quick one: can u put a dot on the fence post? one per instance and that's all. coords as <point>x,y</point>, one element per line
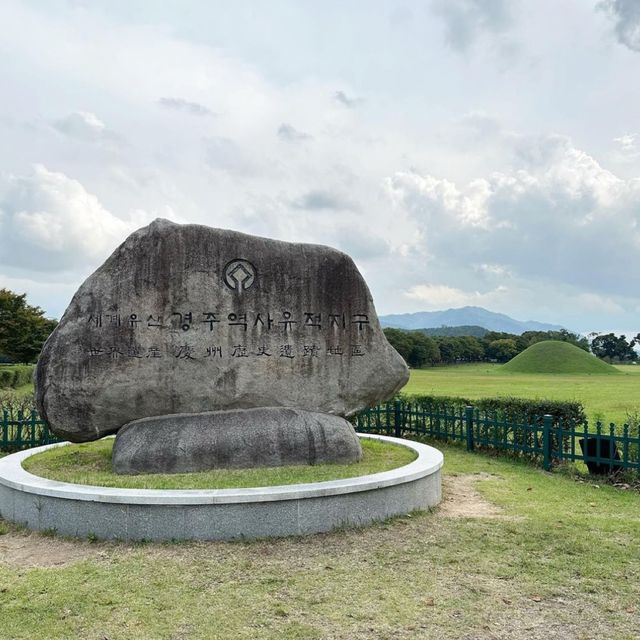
<point>397,419</point>
<point>547,423</point>
<point>5,430</point>
<point>468,419</point>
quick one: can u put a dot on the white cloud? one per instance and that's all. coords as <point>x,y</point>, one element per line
<point>594,302</point>
<point>561,218</point>
<point>346,100</point>
<point>323,199</point>
<point>439,202</point>
<point>493,270</point>
<point>628,149</point>
<point>81,124</point>
<point>289,133</point>
<point>224,154</point>
<point>434,296</point>
<point>86,127</point>
<point>626,14</point>
<point>50,222</point>
<point>627,142</point>
<point>466,20</point>
<point>187,106</point>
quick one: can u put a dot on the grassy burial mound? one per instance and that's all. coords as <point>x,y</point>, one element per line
<point>554,356</point>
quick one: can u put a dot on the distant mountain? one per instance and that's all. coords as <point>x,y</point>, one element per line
<point>453,332</point>
<point>476,316</point>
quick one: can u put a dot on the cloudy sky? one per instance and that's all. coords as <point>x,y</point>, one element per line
<point>464,152</point>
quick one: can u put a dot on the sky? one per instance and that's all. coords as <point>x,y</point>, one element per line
<point>463,152</point>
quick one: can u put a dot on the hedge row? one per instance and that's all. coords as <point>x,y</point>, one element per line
<point>507,408</point>
<point>15,376</point>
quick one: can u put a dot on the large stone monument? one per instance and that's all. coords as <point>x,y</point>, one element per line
<point>206,348</point>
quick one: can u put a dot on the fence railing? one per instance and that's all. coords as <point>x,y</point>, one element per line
<point>23,430</point>
<point>545,440</point>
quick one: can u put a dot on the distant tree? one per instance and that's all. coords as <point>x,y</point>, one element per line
<point>521,342</point>
<point>425,351</point>
<point>611,347</point>
<point>461,330</point>
<point>23,328</point>
<point>450,349</point>
<point>503,349</point>
<point>400,340</point>
<point>471,348</point>
<point>415,347</point>
<point>565,336</point>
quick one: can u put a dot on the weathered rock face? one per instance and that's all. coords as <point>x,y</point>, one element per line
<point>187,319</point>
<point>269,437</point>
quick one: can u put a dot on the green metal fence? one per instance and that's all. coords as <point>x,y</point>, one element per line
<point>545,440</point>
<point>23,430</point>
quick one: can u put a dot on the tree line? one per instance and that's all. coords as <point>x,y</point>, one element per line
<point>23,328</point>
<point>421,350</point>
<point>613,348</point>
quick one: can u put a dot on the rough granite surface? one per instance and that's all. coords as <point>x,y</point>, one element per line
<point>268,437</point>
<point>189,319</point>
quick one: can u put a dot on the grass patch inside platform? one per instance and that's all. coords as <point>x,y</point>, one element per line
<point>90,464</point>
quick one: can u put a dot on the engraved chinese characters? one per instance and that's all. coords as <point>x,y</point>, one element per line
<point>187,319</point>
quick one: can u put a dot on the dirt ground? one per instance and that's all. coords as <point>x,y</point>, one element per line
<point>27,550</point>
<point>462,500</point>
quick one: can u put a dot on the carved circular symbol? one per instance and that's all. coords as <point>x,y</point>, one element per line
<point>239,275</point>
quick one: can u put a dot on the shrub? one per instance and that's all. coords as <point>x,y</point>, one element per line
<point>11,403</point>
<point>15,376</point>
<point>510,409</point>
<point>514,414</point>
<point>6,377</point>
<point>632,422</point>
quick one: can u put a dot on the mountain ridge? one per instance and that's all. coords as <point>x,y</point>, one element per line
<point>477,316</point>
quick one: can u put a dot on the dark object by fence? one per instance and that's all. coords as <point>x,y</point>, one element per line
<point>596,449</point>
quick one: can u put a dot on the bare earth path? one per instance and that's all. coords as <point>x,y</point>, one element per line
<point>462,500</point>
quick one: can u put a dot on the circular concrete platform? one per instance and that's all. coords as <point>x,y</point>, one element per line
<point>217,514</point>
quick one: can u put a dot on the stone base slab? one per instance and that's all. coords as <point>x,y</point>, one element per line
<point>242,438</point>
<point>221,514</point>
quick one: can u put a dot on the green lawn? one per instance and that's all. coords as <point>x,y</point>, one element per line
<point>561,560</point>
<point>90,463</point>
<point>606,397</point>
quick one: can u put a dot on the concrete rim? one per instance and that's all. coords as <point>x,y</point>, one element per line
<point>12,475</point>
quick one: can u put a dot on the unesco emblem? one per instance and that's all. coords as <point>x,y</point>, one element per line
<point>239,275</point>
